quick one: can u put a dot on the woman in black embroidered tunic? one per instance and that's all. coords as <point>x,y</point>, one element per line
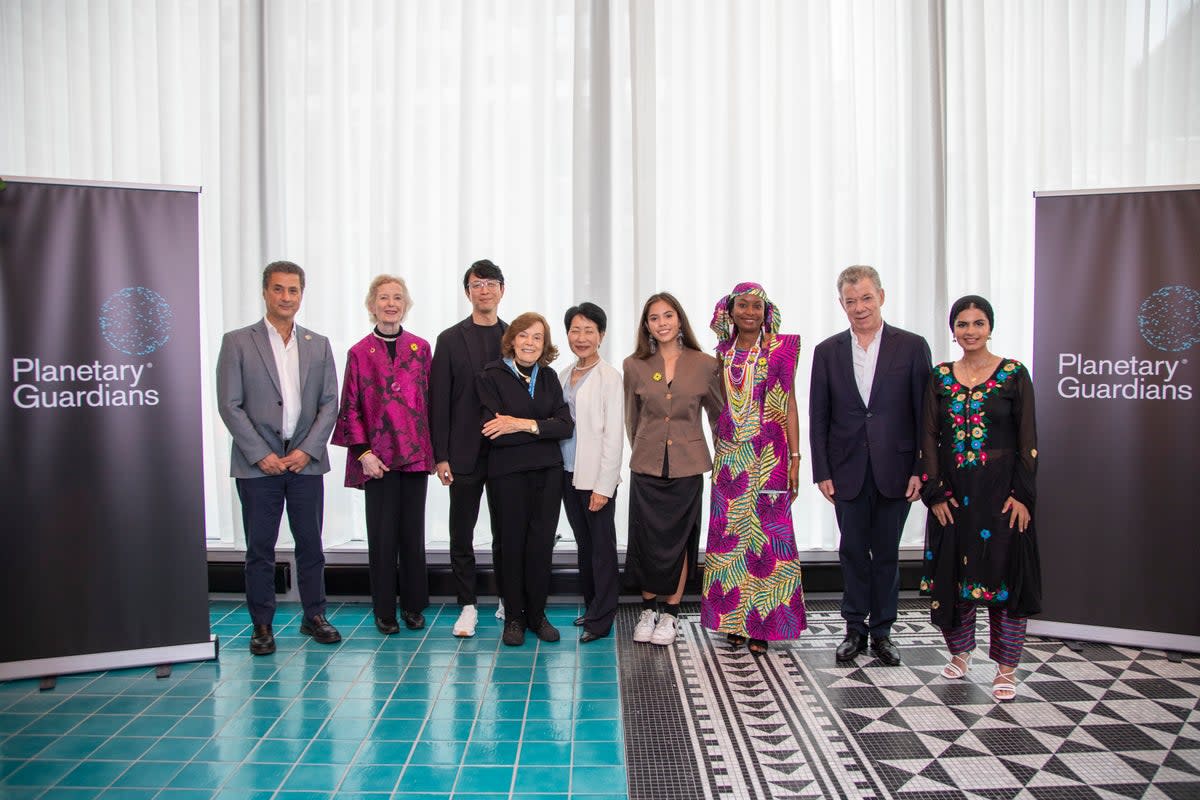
<point>979,456</point>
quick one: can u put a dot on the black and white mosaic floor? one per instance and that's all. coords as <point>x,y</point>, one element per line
<point>705,721</point>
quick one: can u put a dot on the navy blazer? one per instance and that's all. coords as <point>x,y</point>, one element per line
<point>842,431</point>
<point>453,398</point>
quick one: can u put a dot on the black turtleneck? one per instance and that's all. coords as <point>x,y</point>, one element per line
<point>389,340</point>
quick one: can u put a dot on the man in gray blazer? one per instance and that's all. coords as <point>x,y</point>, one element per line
<point>277,394</point>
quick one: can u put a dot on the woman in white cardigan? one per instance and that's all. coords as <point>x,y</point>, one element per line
<point>592,460</point>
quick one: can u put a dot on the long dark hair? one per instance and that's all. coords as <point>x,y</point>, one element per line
<point>642,335</point>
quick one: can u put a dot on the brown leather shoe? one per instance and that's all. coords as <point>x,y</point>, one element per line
<point>262,642</point>
<point>544,630</point>
<point>320,630</point>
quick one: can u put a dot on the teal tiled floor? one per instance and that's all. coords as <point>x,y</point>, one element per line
<point>418,715</point>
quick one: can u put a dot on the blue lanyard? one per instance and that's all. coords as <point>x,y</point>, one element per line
<point>532,378</point>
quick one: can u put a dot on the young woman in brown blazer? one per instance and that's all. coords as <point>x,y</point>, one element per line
<point>668,382</point>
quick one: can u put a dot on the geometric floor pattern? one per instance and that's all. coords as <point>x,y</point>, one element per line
<point>1106,722</point>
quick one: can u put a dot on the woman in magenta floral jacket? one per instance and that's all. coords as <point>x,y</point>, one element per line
<point>384,422</point>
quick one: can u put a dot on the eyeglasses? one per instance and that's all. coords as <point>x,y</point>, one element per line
<point>487,284</point>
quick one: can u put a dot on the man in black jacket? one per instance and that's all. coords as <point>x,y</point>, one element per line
<point>459,447</point>
<point>868,385</point>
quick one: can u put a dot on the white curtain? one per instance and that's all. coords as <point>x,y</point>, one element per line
<point>1056,96</point>
<point>604,150</point>
<point>793,140</point>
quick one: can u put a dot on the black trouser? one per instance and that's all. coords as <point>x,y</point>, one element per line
<point>465,493</point>
<point>871,525</point>
<point>396,541</point>
<point>596,543</point>
<point>527,504</point>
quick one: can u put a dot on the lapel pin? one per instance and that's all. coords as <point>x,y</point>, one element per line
<point>308,337</point>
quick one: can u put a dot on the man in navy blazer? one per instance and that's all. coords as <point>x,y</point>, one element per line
<point>277,394</point>
<point>458,445</point>
<point>868,384</point>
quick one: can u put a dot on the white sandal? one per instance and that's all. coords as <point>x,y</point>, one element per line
<point>1004,686</point>
<point>958,666</point>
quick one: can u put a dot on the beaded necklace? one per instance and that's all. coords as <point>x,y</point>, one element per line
<point>739,384</point>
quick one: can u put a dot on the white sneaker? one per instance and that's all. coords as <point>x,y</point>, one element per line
<point>645,626</point>
<point>664,631</point>
<point>465,626</point>
<point>500,610</point>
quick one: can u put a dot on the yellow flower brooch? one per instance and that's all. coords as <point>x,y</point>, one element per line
<point>656,377</point>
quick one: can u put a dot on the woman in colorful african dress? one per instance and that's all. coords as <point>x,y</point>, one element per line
<point>752,589</point>
<point>979,458</point>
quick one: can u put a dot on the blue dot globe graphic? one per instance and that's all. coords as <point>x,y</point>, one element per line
<point>1169,318</point>
<point>136,321</point>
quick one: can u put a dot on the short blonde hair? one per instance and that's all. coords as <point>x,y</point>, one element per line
<point>381,280</point>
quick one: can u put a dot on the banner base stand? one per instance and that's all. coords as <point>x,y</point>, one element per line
<point>1156,640</point>
<point>47,668</point>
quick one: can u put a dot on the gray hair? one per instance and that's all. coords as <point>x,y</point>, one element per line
<point>381,280</point>
<point>857,273</point>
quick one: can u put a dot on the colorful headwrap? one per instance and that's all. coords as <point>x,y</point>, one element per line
<point>722,322</point>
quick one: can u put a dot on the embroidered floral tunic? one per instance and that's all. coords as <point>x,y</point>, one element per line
<point>979,446</point>
<point>752,583</point>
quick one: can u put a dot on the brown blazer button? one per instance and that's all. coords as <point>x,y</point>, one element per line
<point>669,441</point>
<point>666,419</point>
<point>668,395</point>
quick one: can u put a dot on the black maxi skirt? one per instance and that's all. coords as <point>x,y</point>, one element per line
<point>664,530</point>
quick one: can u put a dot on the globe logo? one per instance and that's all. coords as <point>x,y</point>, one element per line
<point>136,321</point>
<point>1169,319</point>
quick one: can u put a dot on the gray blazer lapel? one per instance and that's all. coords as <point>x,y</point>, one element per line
<point>304,345</point>
<point>262,341</point>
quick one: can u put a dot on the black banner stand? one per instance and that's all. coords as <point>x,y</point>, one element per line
<point>102,484</point>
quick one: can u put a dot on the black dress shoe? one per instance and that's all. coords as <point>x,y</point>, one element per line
<point>320,630</point>
<point>851,646</point>
<point>886,651</point>
<point>387,626</point>
<point>514,632</point>
<point>579,620</point>
<point>262,642</point>
<point>544,630</point>
<point>588,636</point>
<point>413,620</point>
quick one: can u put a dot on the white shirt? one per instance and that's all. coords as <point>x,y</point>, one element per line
<point>287,363</point>
<point>865,359</point>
